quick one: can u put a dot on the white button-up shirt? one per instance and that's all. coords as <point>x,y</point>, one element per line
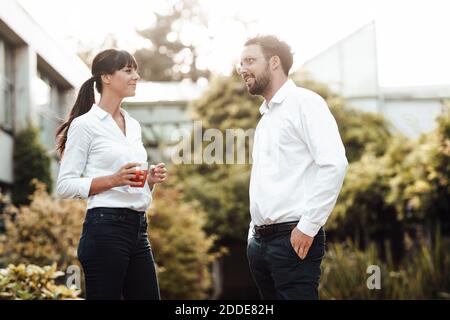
<point>96,147</point>
<point>299,161</point>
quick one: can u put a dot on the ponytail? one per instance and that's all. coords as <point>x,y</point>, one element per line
<point>83,104</point>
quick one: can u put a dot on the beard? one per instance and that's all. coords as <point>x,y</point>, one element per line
<point>261,83</point>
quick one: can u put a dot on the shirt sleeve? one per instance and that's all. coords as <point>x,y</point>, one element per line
<point>319,131</point>
<point>70,184</point>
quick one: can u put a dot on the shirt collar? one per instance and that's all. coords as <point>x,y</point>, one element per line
<point>102,114</point>
<point>279,96</point>
<point>99,112</point>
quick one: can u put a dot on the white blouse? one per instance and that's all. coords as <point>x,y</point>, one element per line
<point>96,147</point>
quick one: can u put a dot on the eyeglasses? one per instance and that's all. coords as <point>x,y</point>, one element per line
<point>246,63</point>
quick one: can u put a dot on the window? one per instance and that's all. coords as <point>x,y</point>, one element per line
<point>6,86</point>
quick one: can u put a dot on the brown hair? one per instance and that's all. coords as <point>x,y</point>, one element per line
<point>272,46</point>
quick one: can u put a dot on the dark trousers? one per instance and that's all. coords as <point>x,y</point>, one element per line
<point>278,271</point>
<point>116,256</point>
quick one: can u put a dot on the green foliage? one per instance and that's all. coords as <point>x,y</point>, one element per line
<point>227,104</point>
<point>33,283</point>
<point>48,231</point>
<point>181,248</point>
<point>30,161</point>
<point>344,272</point>
<point>222,190</point>
<point>224,194</point>
<point>44,232</point>
<point>362,210</point>
<point>383,196</point>
<point>421,188</point>
<point>423,274</point>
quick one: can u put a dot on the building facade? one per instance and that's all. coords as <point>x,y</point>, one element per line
<point>38,82</point>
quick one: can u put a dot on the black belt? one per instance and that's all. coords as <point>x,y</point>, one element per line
<point>268,229</point>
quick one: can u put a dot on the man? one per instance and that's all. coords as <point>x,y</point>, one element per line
<point>298,169</point>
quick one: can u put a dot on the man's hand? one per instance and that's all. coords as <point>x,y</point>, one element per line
<point>301,242</point>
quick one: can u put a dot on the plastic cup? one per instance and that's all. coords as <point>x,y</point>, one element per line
<point>141,175</point>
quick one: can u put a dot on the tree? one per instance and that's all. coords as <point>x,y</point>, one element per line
<point>30,161</point>
<point>404,192</point>
<point>172,57</point>
<point>421,189</point>
<point>362,211</point>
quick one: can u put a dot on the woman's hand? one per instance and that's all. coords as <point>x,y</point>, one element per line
<point>157,174</point>
<point>125,174</point>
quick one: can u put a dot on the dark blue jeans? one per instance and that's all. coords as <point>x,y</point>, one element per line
<point>278,271</point>
<point>116,256</point>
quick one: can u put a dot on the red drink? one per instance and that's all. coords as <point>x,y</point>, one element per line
<point>141,176</point>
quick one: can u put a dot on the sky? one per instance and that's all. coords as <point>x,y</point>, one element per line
<point>413,44</point>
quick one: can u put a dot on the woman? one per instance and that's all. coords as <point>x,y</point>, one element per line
<point>101,148</point>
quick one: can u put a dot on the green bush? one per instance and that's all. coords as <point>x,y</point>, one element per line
<point>44,232</point>
<point>344,272</point>
<point>33,283</point>
<point>423,274</point>
<point>48,231</point>
<point>180,246</point>
<point>31,161</point>
<point>421,188</point>
<point>223,193</point>
<point>405,190</point>
<point>362,211</point>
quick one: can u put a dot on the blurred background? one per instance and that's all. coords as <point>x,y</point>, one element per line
<point>382,67</point>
